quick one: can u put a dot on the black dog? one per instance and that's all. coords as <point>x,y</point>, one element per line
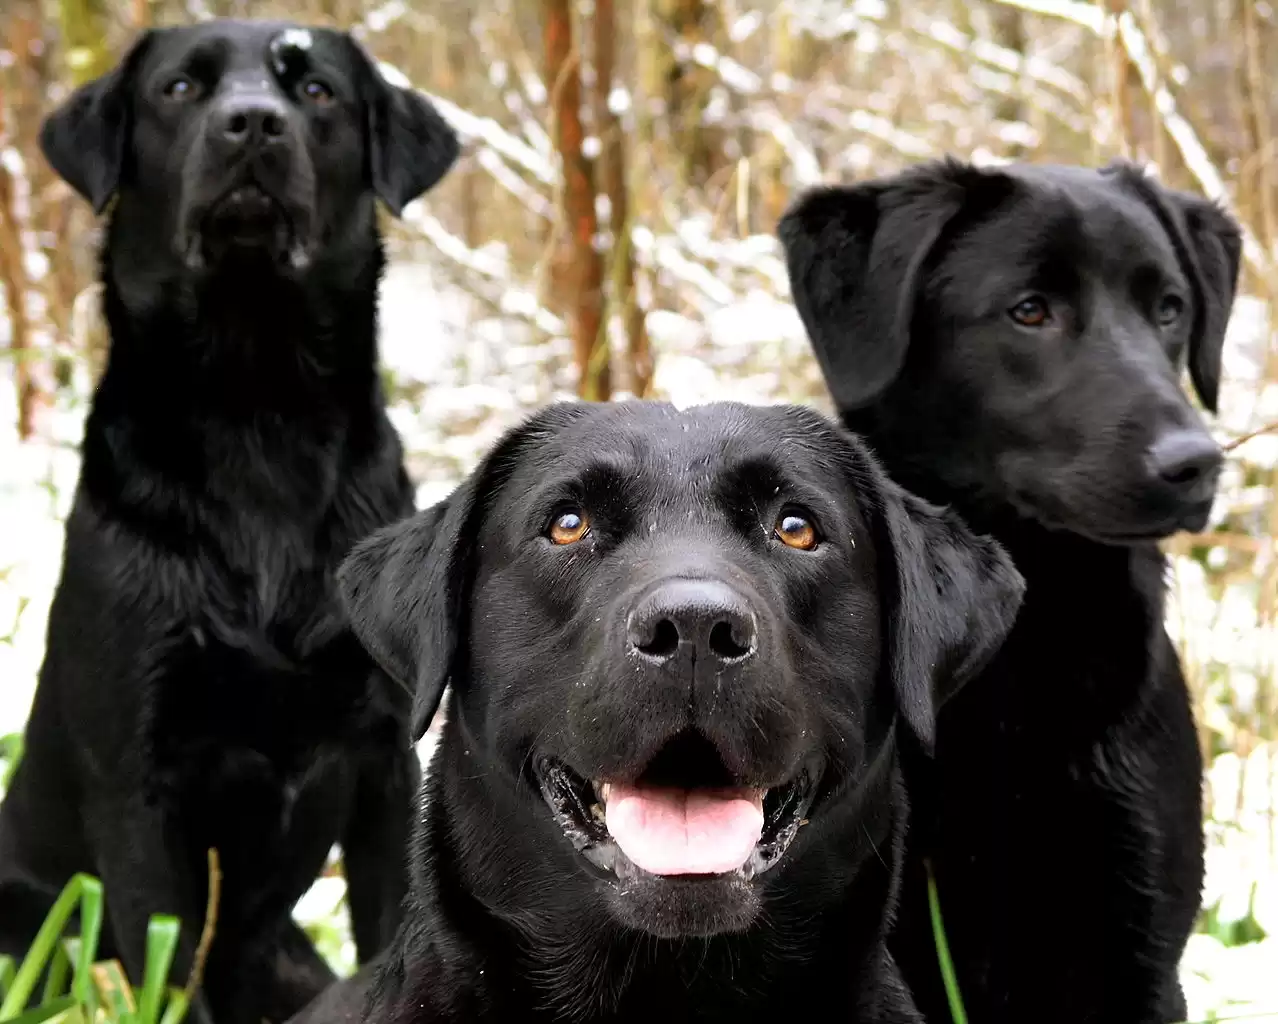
<point>1010,342</point>
<point>667,789</point>
<point>202,688</point>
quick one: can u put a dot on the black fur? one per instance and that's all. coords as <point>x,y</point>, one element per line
<point>1064,810</point>
<point>201,686</point>
<point>898,601</point>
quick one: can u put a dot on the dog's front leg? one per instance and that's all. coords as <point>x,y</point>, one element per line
<point>138,860</point>
<point>375,849</point>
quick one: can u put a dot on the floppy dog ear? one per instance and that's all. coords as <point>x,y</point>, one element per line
<point>1213,242</point>
<point>854,256</point>
<point>85,139</point>
<point>1209,244</point>
<point>404,587</point>
<point>410,146</point>
<point>956,596</point>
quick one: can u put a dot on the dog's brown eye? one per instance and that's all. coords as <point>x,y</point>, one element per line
<point>569,527</point>
<point>1170,309</point>
<point>795,531</point>
<point>181,88</point>
<point>317,91</point>
<point>1031,312</point>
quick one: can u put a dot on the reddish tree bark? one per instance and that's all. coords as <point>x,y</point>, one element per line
<point>563,80</point>
<point>612,168</point>
<point>20,100</point>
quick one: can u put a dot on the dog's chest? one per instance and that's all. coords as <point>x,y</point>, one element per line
<point>264,689</point>
<point>260,760</point>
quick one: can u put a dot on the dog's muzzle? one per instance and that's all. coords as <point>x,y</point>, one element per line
<point>243,182</point>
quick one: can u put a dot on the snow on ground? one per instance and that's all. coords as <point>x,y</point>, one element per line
<point>461,379</point>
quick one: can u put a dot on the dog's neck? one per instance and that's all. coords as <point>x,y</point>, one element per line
<point>253,389</point>
<point>246,337</point>
<point>552,952</point>
<point>1063,571</point>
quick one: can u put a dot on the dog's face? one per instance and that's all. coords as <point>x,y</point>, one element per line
<point>235,139</point>
<point>1021,332</point>
<point>680,637</point>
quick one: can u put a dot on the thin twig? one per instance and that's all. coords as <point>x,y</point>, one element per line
<point>1238,442</point>
<point>210,927</point>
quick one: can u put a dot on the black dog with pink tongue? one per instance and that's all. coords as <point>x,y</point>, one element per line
<point>680,645</point>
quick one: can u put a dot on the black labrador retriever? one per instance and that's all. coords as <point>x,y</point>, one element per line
<point>202,688</point>
<point>679,645</point>
<point>1010,341</point>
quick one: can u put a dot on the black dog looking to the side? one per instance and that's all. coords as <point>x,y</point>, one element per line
<point>678,644</point>
<point>1010,342</point>
<point>202,688</point>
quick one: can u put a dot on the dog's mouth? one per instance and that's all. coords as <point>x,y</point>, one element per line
<point>247,217</point>
<point>1193,521</point>
<point>682,817</point>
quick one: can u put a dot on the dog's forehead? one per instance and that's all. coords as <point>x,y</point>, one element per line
<point>1079,212</point>
<point>243,44</point>
<point>691,448</point>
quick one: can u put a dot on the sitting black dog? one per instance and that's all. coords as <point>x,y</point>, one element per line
<point>679,645</point>
<point>202,688</point>
<point>1010,342</point>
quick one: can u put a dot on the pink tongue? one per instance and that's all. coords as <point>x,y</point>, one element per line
<point>685,832</point>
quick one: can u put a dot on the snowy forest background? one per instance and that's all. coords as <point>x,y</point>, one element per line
<point>608,233</point>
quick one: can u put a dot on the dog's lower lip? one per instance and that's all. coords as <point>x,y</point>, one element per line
<point>579,808</point>
<point>246,194</point>
<point>247,217</point>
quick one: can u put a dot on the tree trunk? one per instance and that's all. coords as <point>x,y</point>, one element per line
<point>563,84</point>
<point>22,88</point>
<point>687,85</point>
<point>1122,82</point>
<point>612,174</point>
<point>772,157</point>
<point>1009,33</point>
<point>13,277</point>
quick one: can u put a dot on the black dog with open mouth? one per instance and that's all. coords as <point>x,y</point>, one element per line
<point>201,687</point>
<point>678,644</point>
<point>1011,341</point>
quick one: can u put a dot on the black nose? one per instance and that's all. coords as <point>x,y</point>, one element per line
<point>706,615</point>
<point>246,121</point>
<point>1186,461</point>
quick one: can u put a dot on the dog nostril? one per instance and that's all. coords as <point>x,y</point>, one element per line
<point>664,642</point>
<point>725,643</point>
<point>272,125</point>
<point>1185,458</point>
<point>237,125</point>
<point>1183,475</point>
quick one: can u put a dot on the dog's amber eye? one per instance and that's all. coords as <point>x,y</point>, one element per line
<point>1170,309</point>
<point>795,531</point>
<point>1031,312</point>
<point>569,527</point>
<point>181,88</point>
<point>317,91</point>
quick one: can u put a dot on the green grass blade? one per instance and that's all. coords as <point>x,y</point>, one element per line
<point>82,986</point>
<point>177,1006</point>
<point>55,983</point>
<point>10,755</point>
<point>7,971</point>
<point>943,951</point>
<point>42,1014</point>
<point>161,945</point>
<point>41,950</point>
